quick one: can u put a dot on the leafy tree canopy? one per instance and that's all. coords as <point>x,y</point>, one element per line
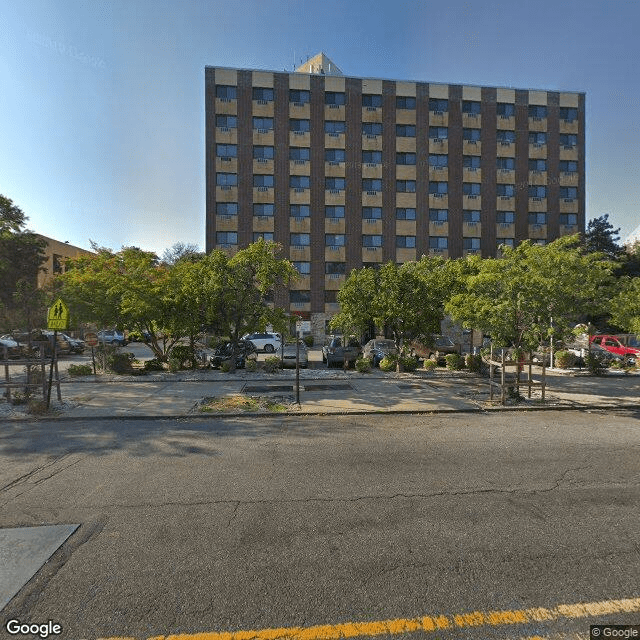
<point>601,237</point>
<point>625,306</point>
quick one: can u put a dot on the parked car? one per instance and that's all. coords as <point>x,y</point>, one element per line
<point>377,349</point>
<point>112,336</point>
<point>607,357</point>
<point>77,345</point>
<point>267,342</point>
<point>339,350</point>
<point>614,345</point>
<point>9,348</point>
<point>436,347</point>
<point>289,355</point>
<point>245,350</point>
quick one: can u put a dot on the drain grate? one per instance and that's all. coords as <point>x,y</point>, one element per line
<point>267,388</point>
<point>327,387</point>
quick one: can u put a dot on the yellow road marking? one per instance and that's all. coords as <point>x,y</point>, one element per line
<point>426,623</point>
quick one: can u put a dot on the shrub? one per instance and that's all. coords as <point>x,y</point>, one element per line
<point>225,366</point>
<point>388,363</point>
<point>183,353</point>
<point>473,362</point>
<point>595,364</point>
<point>251,365</point>
<point>80,370</point>
<point>37,407</point>
<point>455,362</point>
<point>153,365</point>
<point>308,340</point>
<point>409,363</point>
<point>564,359</point>
<point>271,364</point>
<point>120,362</point>
<point>363,365</point>
<point>429,365</point>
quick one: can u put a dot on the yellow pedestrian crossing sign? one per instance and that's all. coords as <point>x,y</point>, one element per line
<point>58,315</point>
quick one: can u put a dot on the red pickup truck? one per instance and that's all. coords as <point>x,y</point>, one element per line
<point>613,344</point>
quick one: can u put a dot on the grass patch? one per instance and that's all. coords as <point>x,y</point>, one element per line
<point>239,403</point>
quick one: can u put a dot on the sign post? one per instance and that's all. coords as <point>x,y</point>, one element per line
<point>91,339</point>
<point>57,318</point>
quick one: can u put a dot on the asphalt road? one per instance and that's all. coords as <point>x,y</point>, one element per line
<point>221,525</point>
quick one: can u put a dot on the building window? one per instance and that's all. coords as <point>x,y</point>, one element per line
<point>405,213</point>
<point>438,133</point>
<point>472,107</point>
<point>568,166</point>
<point>299,239</point>
<point>299,182</point>
<point>226,237</point>
<point>540,242</point>
<point>537,137</point>
<point>299,124</point>
<point>371,241</point>
<point>405,242</point>
<point>406,158</point>
<point>405,102</point>
<point>569,193</point>
<point>332,268</point>
<point>262,124</point>
<point>507,242</point>
<point>440,188</point>
<point>300,211</point>
<point>303,268</point>
<point>438,104</point>
<point>372,213</point>
<point>568,139</point>
<point>264,152</point>
<point>537,165</point>
<point>371,100</point>
<point>537,191</point>
<point>334,155</point>
<point>538,218</point>
<point>506,109</point>
<point>334,97</point>
<point>438,242</point>
<point>334,184</point>
<point>471,135</point>
<point>406,130</point>
<point>471,188</point>
<point>226,179</point>
<point>372,184</point>
<point>334,126</point>
<point>334,211</point>
<point>568,114</point>
<point>406,186</point>
<point>299,95</point>
<point>225,92</point>
<point>505,190</point>
<point>505,217</point>
<point>439,160</point>
<point>372,157</point>
<point>505,136</point>
<point>438,215</point>
<point>227,150</point>
<point>471,162</point>
<point>506,164</point>
<point>226,122</point>
<point>263,181</point>
<point>263,93</point>
<point>471,216</point>
<point>299,153</point>
<point>263,235</point>
<point>537,111</point>
<point>299,297</point>
<point>263,209</point>
<point>471,243</point>
<point>227,208</point>
<point>569,218</point>
<point>333,240</point>
<point>330,296</point>
<point>372,128</point>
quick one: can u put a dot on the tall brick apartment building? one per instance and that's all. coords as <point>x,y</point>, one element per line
<point>345,172</point>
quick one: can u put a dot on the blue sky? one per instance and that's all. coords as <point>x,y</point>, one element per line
<point>102,104</point>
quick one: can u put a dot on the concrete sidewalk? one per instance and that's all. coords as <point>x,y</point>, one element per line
<point>326,391</point>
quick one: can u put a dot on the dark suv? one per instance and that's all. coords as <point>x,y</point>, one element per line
<point>335,351</point>
<point>245,350</point>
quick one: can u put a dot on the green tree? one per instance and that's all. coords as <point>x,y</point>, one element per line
<point>515,298</point>
<point>625,306</point>
<point>601,237</point>
<point>21,258</point>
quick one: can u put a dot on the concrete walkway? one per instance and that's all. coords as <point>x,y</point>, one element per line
<point>326,391</point>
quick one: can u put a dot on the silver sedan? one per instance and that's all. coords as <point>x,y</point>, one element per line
<point>289,355</point>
